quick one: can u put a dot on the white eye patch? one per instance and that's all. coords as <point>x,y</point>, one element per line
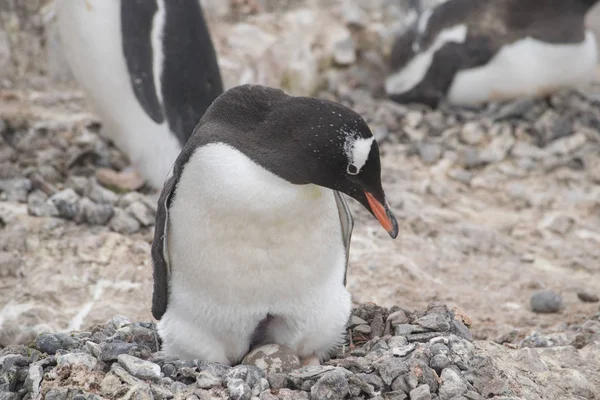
<point>357,150</point>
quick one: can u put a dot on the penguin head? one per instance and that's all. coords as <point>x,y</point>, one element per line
<point>335,148</point>
<point>302,140</point>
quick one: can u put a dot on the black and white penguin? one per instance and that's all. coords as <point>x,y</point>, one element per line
<point>252,232</point>
<point>150,70</point>
<point>474,51</point>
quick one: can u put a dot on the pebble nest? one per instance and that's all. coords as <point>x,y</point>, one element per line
<point>391,354</point>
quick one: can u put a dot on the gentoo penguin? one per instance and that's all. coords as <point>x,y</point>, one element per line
<point>252,232</point>
<point>474,51</point>
<point>150,69</point>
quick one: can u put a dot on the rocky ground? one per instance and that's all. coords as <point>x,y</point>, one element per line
<point>498,208</point>
<point>391,354</point>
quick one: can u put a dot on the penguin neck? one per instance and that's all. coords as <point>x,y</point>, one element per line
<point>233,184</point>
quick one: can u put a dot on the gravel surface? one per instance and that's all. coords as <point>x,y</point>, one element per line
<point>498,209</point>
<point>425,354</point>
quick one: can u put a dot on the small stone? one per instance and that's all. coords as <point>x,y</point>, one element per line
<point>430,153</point>
<point>277,380</point>
<point>403,329</point>
<point>420,393</point>
<point>546,301</point>
<point>122,222</point>
<point>438,362</point>
<point>247,373</point>
<point>472,133</point>
<point>142,213</point>
<point>452,385</point>
<point>404,350</point>
<point>66,202</point>
<point>435,322</point>
<point>273,358</point>
<point>261,386</point>
<point>139,368</point>
<point>96,214</point>
<point>238,389</point>
<point>101,195</point>
<point>587,297</point>
<point>461,316</point>
<point>206,380</point>
<point>332,385</point>
<point>344,51</point>
<point>50,343</point>
<point>15,190</point>
<point>390,368</point>
<point>38,206</point>
<point>34,379</point>
<point>120,182</point>
<point>77,359</point>
<point>395,395</point>
<point>57,394</point>
<point>9,263</point>
<point>363,329</point>
<point>355,321</point>
<point>112,350</point>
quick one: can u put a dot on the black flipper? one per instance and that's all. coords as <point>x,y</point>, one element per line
<point>136,29</point>
<point>160,251</point>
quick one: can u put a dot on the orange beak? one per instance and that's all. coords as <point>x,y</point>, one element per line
<point>383,214</point>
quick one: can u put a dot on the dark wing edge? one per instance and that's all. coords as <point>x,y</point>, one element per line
<point>136,28</point>
<point>160,251</point>
<point>347,225</point>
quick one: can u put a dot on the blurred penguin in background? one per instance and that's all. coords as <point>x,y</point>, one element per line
<point>150,70</point>
<point>470,52</point>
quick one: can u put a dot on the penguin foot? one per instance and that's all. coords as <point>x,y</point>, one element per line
<point>125,181</point>
<point>310,360</point>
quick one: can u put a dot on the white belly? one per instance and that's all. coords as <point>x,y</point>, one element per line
<point>242,243</point>
<point>235,227</point>
<point>527,68</point>
<point>91,37</point>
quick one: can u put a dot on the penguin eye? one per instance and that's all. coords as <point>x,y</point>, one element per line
<point>352,170</point>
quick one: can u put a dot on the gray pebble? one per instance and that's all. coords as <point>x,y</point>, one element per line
<point>50,343</point>
<point>420,393</point>
<point>238,389</point>
<point>452,384</point>
<point>96,214</point>
<point>435,322</point>
<point>277,380</point>
<point>546,301</point>
<point>363,329</point>
<point>206,380</point>
<point>355,321</point>
<point>439,362</point>
<point>101,195</point>
<point>57,394</point>
<point>332,385</point>
<point>144,214</point>
<point>112,350</point>
<point>273,358</point>
<point>430,153</point>
<point>216,369</point>
<point>247,373</point>
<point>404,350</point>
<point>38,206</point>
<point>76,359</point>
<point>390,368</point>
<point>261,386</point>
<point>122,222</point>
<point>66,202</point>
<point>403,329</point>
<point>15,190</point>
<point>395,395</point>
<point>139,368</point>
<point>34,379</point>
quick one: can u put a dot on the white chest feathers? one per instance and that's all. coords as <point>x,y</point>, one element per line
<point>239,234</point>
